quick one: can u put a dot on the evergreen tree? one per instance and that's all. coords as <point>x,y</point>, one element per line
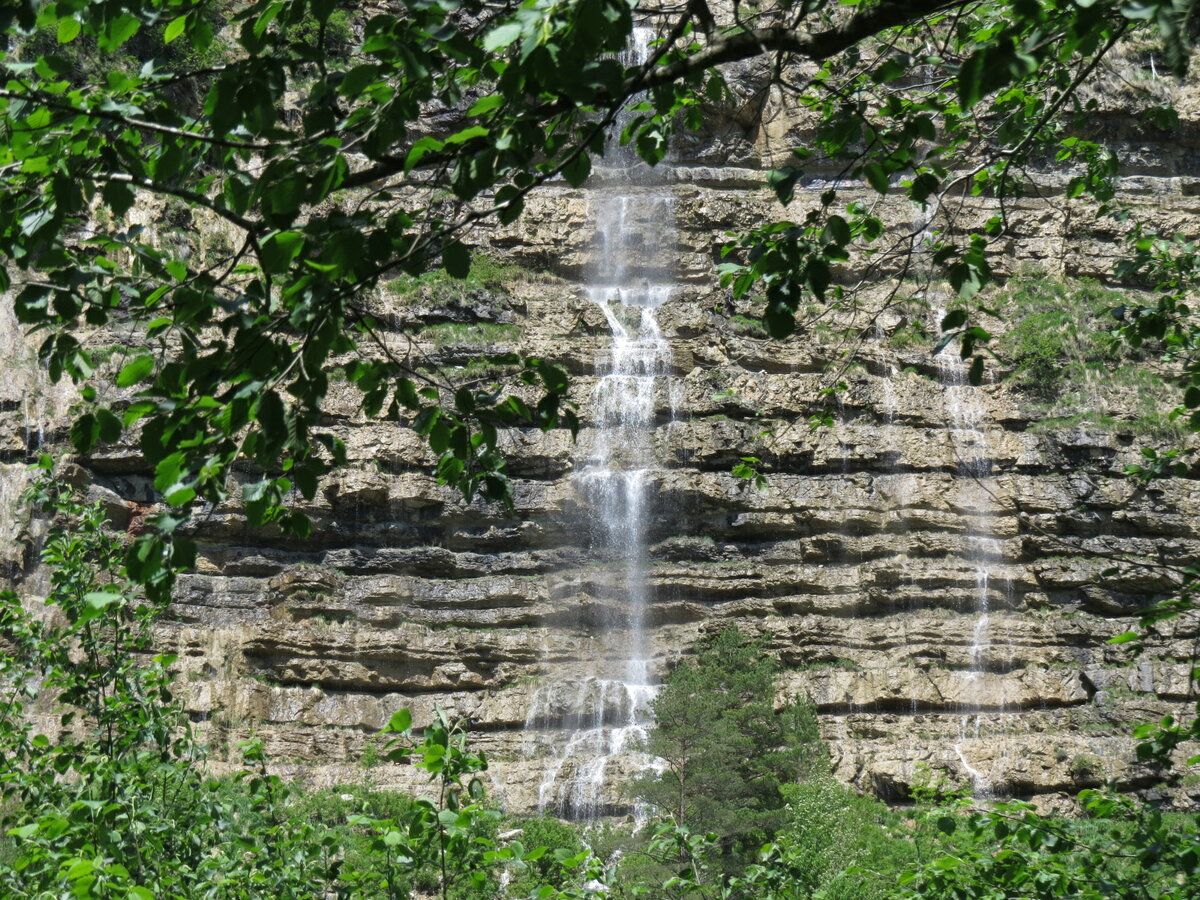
<point>727,751</point>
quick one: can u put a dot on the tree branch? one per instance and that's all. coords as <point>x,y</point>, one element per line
<point>141,124</point>
<point>819,46</point>
<point>182,193</point>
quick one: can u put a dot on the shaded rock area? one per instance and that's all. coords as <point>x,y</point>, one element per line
<point>940,614</point>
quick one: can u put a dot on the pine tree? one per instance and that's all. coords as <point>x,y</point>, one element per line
<point>727,751</point>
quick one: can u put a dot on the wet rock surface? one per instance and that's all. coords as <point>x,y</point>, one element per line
<point>932,628</point>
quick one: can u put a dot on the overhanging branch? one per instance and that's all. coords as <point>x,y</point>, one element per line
<point>815,46</point>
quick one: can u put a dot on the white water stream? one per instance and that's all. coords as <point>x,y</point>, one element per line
<point>605,715</point>
<point>976,497</point>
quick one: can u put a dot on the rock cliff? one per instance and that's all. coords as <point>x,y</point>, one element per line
<point>928,565</point>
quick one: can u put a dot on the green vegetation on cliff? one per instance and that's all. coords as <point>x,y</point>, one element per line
<point>1066,356</point>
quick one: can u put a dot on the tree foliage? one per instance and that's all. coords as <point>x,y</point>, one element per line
<point>726,752</point>
<point>93,805</point>
<point>299,130</point>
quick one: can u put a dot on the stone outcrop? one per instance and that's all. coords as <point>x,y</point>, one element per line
<point>866,564</point>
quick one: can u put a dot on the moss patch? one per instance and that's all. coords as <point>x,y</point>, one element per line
<point>469,333</point>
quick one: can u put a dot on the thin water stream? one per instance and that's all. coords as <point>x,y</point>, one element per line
<point>967,420</point>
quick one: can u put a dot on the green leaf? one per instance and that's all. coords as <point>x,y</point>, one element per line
<point>168,471</point>
<point>892,68</point>
<point>439,435</point>
<point>119,30</point>
<point>101,599</point>
<point>577,169</point>
<point>80,868</point>
<point>956,318</point>
<point>923,186</point>
<point>85,432</point>
<point>179,494</point>
<point>467,134</point>
<point>501,36</point>
<point>970,80</point>
<point>400,722</point>
<point>486,104</point>
<point>109,426</point>
<point>118,196</point>
<point>419,150</point>
<point>876,176</point>
<point>975,373</point>
<point>357,80</point>
<point>456,259</point>
<point>783,182</point>
<point>509,204</point>
<point>280,249</point>
<point>968,278</point>
<point>406,393</point>
<point>1140,10</point>
<point>838,230</point>
<point>135,371</point>
<point>175,28</point>
<point>68,29</point>
<point>94,605</point>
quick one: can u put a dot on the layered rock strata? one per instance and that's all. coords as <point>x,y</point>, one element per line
<point>857,566</point>
<point>934,581</point>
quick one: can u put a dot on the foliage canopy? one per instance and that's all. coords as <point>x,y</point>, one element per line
<point>299,130</point>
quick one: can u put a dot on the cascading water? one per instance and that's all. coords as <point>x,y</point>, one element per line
<point>607,712</point>
<point>975,495</point>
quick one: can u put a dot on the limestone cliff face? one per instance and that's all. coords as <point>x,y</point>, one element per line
<point>928,567</point>
<point>935,617</point>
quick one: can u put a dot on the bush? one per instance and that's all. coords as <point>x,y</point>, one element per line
<point>552,834</point>
<point>1122,847</point>
<point>840,845</point>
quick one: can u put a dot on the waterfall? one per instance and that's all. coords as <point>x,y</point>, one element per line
<point>966,420</point>
<point>607,712</point>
